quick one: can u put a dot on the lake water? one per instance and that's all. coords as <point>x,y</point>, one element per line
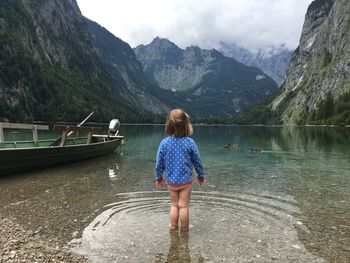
<point>287,200</point>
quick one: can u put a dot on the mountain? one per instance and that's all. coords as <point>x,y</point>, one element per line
<point>204,82</point>
<point>51,70</point>
<point>317,86</point>
<point>273,62</point>
<point>120,61</point>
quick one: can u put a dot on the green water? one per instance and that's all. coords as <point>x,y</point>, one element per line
<point>288,200</point>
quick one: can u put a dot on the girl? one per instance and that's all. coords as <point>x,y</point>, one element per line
<point>176,155</point>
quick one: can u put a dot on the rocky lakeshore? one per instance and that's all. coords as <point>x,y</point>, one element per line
<point>20,245</point>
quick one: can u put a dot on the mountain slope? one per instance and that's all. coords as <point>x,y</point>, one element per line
<point>49,69</point>
<point>317,86</point>
<point>203,81</point>
<point>120,61</point>
<point>273,63</point>
<point>318,80</point>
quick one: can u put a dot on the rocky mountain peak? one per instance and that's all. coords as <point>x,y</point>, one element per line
<point>199,75</point>
<point>315,17</point>
<point>162,43</point>
<point>160,49</point>
<point>319,8</point>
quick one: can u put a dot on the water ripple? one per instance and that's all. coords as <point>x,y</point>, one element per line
<point>225,228</point>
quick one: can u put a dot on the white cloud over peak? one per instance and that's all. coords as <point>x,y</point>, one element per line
<point>252,24</point>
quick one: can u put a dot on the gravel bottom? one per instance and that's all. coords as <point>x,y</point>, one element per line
<point>19,245</point>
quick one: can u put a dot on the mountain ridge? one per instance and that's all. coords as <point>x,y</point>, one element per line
<point>273,62</point>
<point>206,78</point>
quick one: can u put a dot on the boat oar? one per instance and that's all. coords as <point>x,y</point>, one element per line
<point>71,132</point>
<point>58,140</point>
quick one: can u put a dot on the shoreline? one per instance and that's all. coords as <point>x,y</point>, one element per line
<point>244,125</point>
<point>20,245</point>
<point>216,124</point>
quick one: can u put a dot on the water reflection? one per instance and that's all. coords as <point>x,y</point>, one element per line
<point>113,172</point>
<point>178,250</point>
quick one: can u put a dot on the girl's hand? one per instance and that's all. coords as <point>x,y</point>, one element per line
<point>159,183</point>
<point>201,180</point>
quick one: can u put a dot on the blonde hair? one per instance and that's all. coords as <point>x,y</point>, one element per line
<point>178,124</point>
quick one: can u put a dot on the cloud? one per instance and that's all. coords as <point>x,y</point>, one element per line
<point>252,24</point>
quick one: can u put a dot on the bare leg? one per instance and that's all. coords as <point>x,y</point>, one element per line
<point>174,209</point>
<point>184,214</point>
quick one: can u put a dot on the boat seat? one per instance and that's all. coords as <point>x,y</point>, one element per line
<point>67,129</point>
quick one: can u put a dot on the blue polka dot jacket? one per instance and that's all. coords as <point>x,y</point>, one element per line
<point>176,156</point>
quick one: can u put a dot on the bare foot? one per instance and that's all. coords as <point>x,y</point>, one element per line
<point>185,229</point>
<point>172,227</point>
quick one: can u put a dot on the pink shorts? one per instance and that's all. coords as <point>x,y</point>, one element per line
<point>179,187</point>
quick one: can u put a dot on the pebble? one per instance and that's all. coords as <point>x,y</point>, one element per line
<point>296,246</point>
<point>75,234</point>
<point>18,245</point>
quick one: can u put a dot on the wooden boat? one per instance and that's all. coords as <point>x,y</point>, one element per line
<point>20,156</point>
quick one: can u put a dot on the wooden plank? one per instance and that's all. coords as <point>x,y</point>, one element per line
<point>63,138</point>
<point>2,140</point>
<point>8,125</point>
<point>89,138</point>
<point>56,142</point>
<point>108,136</point>
<point>35,133</point>
<point>62,128</point>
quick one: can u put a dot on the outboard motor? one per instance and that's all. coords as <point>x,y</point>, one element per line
<point>113,127</point>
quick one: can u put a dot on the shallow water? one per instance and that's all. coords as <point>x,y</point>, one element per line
<point>288,200</point>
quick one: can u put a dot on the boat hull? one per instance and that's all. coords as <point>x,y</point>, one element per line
<point>25,159</point>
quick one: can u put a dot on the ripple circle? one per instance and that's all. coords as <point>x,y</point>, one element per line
<point>225,228</point>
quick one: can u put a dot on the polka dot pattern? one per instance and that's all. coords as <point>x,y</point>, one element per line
<point>176,156</point>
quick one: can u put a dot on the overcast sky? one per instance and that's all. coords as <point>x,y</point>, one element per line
<point>252,24</point>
